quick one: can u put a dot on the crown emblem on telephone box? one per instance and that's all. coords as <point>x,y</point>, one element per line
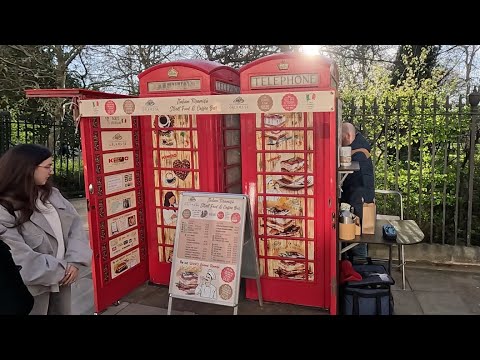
<point>172,73</point>
<point>283,65</point>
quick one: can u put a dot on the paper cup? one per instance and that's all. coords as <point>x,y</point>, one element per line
<point>345,156</point>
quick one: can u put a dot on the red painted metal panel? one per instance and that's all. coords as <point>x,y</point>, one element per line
<point>116,210</point>
<point>331,228</point>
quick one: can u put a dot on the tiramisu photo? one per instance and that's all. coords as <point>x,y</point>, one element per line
<point>274,134</point>
<point>291,269</point>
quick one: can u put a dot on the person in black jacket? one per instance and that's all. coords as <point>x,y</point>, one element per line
<point>15,299</point>
<point>359,186</point>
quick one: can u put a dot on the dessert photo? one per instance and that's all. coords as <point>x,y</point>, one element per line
<point>281,226</point>
<point>274,134</point>
<point>281,206</point>
<point>285,162</point>
<point>290,269</point>
<point>294,181</point>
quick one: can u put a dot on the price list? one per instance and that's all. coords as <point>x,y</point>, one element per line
<point>210,233</point>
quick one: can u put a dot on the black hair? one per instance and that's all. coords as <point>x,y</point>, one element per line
<point>17,182</point>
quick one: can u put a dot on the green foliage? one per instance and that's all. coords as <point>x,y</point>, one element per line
<point>69,175</point>
<point>24,67</point>
<point>424,57</point>
<point>416,123</point>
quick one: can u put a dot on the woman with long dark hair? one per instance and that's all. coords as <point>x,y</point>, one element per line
<point>41,227</point>
<point>169,213</point>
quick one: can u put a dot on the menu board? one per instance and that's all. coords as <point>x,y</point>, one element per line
<point>207,260</point>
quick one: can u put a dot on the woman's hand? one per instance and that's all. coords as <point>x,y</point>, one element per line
<point>71,274</point>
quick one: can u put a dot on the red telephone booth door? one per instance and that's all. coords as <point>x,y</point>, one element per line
<point>289,171</point>
<point>111,153</point>
<point>184,152</point>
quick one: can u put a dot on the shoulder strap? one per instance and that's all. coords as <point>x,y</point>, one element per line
<point>363,150</point>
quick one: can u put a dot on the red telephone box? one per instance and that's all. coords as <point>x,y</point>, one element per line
<point>185,152</point>
<point>289,171</point>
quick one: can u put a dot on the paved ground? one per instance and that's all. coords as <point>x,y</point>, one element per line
<point>430,290</point>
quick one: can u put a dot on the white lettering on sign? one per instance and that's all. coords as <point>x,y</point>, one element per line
<point>174,85</point>
<point>285,80</point>
<point>228,88</point>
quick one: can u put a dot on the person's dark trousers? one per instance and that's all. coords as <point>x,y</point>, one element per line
<point>361,250</point>
<point>15,299</point>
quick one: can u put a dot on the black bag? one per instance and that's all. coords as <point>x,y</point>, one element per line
<point>15,299</point>
<point>371,295</point>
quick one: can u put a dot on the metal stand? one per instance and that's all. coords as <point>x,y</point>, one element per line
<point>259,290</point>
<point>169,310</point>
<point>401,258</point>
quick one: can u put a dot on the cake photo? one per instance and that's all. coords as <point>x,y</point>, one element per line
<point>294,164</point>
<point>283,227</point>
<point>274,135</point>
<point>291,269</point>
<point>292,255</point>
<point>276,210</point>
<point>274,120</point>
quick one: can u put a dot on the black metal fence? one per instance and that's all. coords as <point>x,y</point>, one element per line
<point>427,149</point>
<point>60,138</point>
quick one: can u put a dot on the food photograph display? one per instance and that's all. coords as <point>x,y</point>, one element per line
<point>175,167</point>
<point>285,183</point>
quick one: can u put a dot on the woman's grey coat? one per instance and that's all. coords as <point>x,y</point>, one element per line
<point>35,247</point>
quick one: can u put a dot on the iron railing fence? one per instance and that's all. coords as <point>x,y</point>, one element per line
<point>61,139</point>
<point>422,148</point>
